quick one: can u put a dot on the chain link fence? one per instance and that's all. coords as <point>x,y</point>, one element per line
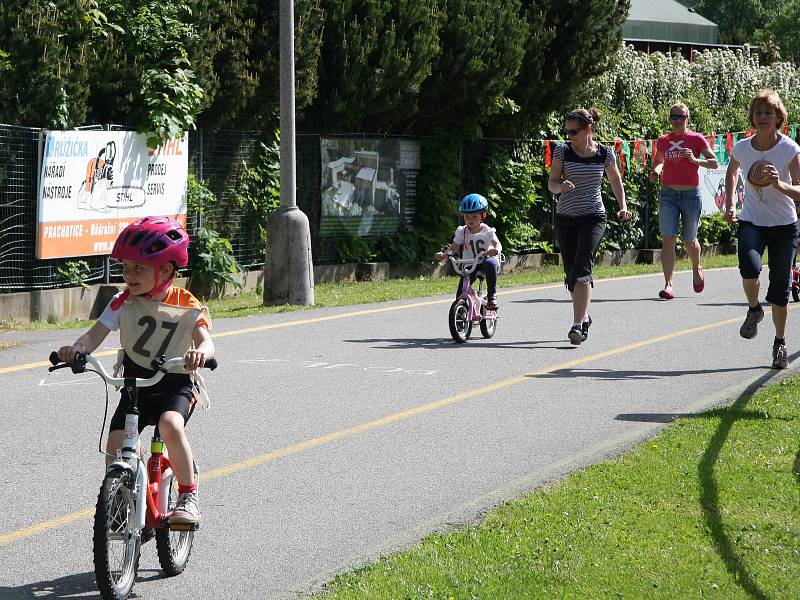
<point>219,159</point>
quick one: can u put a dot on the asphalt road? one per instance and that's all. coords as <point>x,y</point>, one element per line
<point>338,435</point>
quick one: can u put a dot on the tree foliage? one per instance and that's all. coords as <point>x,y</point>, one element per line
<point>375,56</point>
<point>482,47</point>
<point>782,30</point>
<point>43,64</point>
<point>387,66</point>
<point>738,20</point>
<point>570,42</point>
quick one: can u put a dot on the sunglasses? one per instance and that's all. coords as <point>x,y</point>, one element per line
<point>677,117</point>
<point>571,132</point>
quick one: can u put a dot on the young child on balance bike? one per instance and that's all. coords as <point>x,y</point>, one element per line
<point>475,237</point>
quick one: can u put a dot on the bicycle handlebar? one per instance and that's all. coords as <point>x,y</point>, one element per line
<point>162,367</point>
<point>465,266</point>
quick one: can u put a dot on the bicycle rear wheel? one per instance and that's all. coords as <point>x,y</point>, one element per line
<point>460,325</point>
<point>116,544</point>
<point>174,547</point>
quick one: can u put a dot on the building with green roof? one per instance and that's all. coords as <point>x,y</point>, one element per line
<point>667,25</point>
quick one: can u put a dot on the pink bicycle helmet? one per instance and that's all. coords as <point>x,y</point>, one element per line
<point>153,241</point>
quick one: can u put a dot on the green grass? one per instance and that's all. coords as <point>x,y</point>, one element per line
<point>345,294</point>
<point>708,509</point>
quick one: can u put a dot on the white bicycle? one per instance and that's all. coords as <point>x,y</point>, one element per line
<point>136,499</point>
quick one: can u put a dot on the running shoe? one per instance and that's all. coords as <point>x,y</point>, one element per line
<point>491,302</point>
<point>780,359</point>
<point>575,335</point>
<point>585,327</point>
<point>749,328</point>
<point>187,509</point>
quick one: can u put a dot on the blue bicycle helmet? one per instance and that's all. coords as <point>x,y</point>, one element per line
<point>473,203</point>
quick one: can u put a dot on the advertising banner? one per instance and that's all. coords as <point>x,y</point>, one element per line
<point>368,186</point>
<point>93,183</point>
<point>712,188</point>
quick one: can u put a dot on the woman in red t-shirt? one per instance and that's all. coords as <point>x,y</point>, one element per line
<point>679,155</point>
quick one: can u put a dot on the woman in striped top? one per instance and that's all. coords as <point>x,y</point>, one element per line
<point>576,175</point>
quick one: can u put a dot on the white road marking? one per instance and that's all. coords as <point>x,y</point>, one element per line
<point>308,364</point>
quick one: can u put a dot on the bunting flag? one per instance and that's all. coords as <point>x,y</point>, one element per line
<point>637,152</point>
<point>626,152</point>
<point>633,153</point>
<point>721,148</point>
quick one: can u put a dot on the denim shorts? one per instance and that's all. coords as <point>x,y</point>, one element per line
<point>687,204</point>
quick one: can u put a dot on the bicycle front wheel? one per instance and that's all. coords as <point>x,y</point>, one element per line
<point>460,325</point>
<point>174,547</point>
<point>116,544</point>
<point>488,326</point>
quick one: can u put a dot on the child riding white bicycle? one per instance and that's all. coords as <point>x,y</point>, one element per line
<point>474,238</point>
<point>156,319</point>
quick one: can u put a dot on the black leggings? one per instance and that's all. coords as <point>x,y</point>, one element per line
<point>578,239</point>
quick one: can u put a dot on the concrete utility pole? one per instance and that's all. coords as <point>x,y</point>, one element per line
<point>288,269</point>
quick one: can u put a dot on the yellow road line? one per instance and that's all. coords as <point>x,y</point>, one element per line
<point>46,363</point>
<point>348,432</point>
<point>18,534</point>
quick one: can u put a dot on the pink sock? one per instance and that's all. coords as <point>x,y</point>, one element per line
<point>187,489</point>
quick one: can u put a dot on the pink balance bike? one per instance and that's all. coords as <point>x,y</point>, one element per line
<point>795,282</point>
<point>135,500</point>
<point>470,307</point>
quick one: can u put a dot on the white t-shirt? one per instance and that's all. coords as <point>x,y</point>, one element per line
<point>770,207</point>
<point>473,244</point>
<point>109,316</point>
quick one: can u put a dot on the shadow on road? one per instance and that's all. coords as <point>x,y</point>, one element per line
<point>569,301</point>
<point>69,586</point>
<point>613,375</point>
<point>79,585</point>
<point>742,304</point>
<point>478,342</point>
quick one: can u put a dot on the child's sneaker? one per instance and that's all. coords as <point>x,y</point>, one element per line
<point>585,327</point>
<point>187,509</point>
<point>575,335</point>
<point>780,358</point>
<point>491,302</point>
